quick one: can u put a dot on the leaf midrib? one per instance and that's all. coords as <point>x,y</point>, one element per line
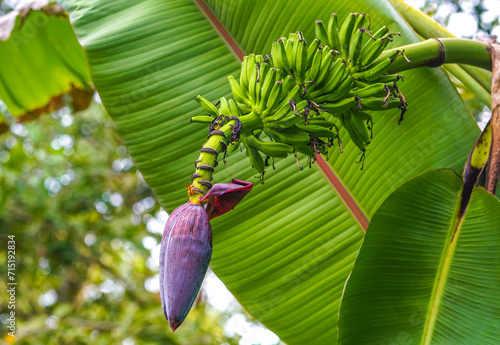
<point>442,274</point>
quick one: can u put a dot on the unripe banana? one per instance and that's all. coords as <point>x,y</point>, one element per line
<point>333,32</point>
<point>337,76</point>
<point>389,78</point>
<point>238,94</point>
<point>317,131</point>
<point>372,50</point>
<point>326,62</point>
<point>378,70</point>
<point>379,103</point>
<point>315,65</point>
<point>306,150</point>
<point>201,119</point>
<point>355,47</point>
<point>243,74</point>
<point>209,107</point>
<point>288,85</point>
<point>338,93</point>
<point>292,136</point>
<point>320,32</point>
<point>224,107</point>
<point>321,121</point>
<point>269,148</point>
<point>311,51</point>
<point>273,98</point>
<point>340,106</point>
<point>356,37</point>
<point>233,108</point>
<point>255,158</point>
<point>267,86</point>
<point>249,69</point>
<point>301,61</point>
<point>291,49</point>
<point>359,127</point>
<point>345,33</point>
<point>374,90</point>
<point>282,52</point>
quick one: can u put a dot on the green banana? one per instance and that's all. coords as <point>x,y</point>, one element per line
<point>340,106</point>
<point>372,51</point>
<point>373,90</point>
<point>209,107</point>
<point>355,46</point>
<point>306,150</point>
<point>255,158</point>
<point>356,39</point>
<point>282,51</point>
<point>345,33</point>
<point>315,65</point>
<point>267,86</point>
<point>273,98</point>
<point>389,78</point>
<point>333,32</point>
<point>201,119</point>
<point>320,32</point>
<point>378,70</point>
<point>224,107</point>
<point>317,131</point>
<point>326,62</point>
<point>292,136</point>
<point>238,94</point>
<point>337,75</point>
<point>379,103</point>
<point>311,51</point>
<point>270,148</point>
<point>338,93</point>
<point>243,74</point>
<point>233,108</point>
<point>301,61</point>
<point>359,127</point>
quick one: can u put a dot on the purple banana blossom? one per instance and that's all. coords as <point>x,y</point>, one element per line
<point>186,248</point>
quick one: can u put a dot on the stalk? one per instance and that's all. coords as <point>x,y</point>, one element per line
<point>216,144</point>
<point>427,27</point>
<point>435,52</point>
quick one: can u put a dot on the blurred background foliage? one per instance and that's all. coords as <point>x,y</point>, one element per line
<point>87,227</point>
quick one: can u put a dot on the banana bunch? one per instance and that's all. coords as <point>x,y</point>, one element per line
<point>297,95</point>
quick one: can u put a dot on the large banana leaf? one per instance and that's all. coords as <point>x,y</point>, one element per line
<point>421,277</point>
<point>286,251</point>
<point>40,60</point>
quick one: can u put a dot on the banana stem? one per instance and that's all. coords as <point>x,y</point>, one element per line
<point>435,52</point>
<point>217,143</point>
<point>427,28</point>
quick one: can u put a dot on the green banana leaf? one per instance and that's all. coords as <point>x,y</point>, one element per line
<point>420,278</point>
<point>40,60</point>
<point>286,251</point>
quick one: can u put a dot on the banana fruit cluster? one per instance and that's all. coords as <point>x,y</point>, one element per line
<point>294,99</point>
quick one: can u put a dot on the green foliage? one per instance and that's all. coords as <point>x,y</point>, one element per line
<point>423,277</point>
<point>40,61</point>
<point>74,201</point>
<point>286,251</point>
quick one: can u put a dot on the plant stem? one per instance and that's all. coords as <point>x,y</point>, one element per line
<point>427,27</point>
<point>435,52</point>
<point>217,143</point>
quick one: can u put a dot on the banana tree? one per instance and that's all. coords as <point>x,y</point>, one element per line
<point>289,247</point>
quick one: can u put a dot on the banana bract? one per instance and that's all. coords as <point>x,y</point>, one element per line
<point>186,248</point>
